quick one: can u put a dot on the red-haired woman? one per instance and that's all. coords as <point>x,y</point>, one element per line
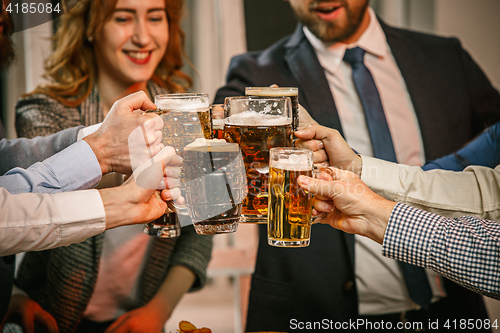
<point>124,280</point>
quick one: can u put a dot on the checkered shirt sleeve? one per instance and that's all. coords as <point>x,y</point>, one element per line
<point>465,249</point>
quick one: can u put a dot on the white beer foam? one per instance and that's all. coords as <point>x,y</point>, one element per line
<point>250,118</point>
<point>218,144</point>
<point>274,92</point>
<point>294,162</point>
<point>181,104</point>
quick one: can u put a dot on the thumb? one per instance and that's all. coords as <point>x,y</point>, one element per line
<point>137,100</point>
<point>150,174</point>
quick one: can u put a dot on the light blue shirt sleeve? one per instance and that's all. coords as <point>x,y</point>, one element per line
<point>73,168</point>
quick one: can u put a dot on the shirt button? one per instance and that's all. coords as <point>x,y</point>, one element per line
<point>348,285</point>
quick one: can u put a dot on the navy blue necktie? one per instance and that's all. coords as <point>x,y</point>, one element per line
<point>383,148</point>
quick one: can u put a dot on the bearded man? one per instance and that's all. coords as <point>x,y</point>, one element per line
<point>395,94</point>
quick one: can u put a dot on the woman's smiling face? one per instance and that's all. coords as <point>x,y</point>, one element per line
<point>132,41</point>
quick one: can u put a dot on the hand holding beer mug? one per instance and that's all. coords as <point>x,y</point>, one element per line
<point>290,206</point>
<point>257,124</point>
<point>215,185</point>
<point>186,117</point>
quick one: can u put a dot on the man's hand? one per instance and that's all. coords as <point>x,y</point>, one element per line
<point>305,119</point>
<point>127,135</point>
<point>137,200</point>
<point>329,148</point>
<point>349,204</point>
<point>26,312</point>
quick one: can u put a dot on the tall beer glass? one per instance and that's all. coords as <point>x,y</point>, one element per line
<point>215,185</point>
<point>289,214</point>
<point>257,125</point>
<point>186,117</point>
<point>273,92</point>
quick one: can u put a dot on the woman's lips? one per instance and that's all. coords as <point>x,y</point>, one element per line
<point>139,57</point>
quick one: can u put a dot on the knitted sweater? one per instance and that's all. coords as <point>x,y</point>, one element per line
<point>62,280</point>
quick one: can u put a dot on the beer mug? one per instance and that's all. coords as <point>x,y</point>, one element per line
<point>186,117</point>
<point>217,116</point>
<point>215,185</point>
<point>274,92</point>
<point>257,125</point>
<point>290,206</point>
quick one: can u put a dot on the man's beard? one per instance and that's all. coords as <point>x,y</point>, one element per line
<point>329,31</point>
<point>7,53</point>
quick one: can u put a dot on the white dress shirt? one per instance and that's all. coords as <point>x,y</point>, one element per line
<point>379,280</point>
<point>33,222</point>
<point>463,245</point>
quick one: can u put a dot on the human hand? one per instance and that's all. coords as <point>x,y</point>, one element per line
<point>26,312</point>
<point>127,137</point>
<point>137,200</point>
<point>348,204</point>
<point>329,148</point>
<point>305,119</point>
<point>146,319</point>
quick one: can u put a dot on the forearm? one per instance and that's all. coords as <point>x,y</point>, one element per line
<point>24,152</point>
<point>435,242</point>
<point>74,168</point>
<point>475,191</point>
<point>57,220</point>
<point>193,251</point>
<point>178,281</point>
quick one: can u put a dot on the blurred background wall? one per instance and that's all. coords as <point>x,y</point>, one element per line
<point>218,29</point>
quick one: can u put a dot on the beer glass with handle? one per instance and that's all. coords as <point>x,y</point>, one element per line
<point>273,92</point>
<point>289,214</point>
<point>186,117</point>
<point>215,185</point>
<point>257,125</point>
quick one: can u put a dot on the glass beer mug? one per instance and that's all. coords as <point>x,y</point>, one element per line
<point>257,125</point>
<point>186,117</point>
<point>215,185</point>
<point>274,92</point>
<point>290,206</point>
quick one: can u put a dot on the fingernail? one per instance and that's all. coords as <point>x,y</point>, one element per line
<point>321,145</point>
<point>303,180</point>
<point>329,207</point>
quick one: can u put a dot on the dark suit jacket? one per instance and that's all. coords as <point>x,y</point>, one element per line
<point>23,153</point>
<point>453,101</point>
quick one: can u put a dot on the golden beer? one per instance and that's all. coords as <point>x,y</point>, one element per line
<point>255,140</point>
<point>289,214</point>
<point>181,127</point>
<point>279,92</point>
<point>186,117</point>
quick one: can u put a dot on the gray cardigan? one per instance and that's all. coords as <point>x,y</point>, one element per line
<point>62,280</point>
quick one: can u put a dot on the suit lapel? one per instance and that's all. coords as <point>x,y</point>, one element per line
<point>314,90</point>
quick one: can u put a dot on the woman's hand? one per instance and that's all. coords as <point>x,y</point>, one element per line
<point>26,312</point>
